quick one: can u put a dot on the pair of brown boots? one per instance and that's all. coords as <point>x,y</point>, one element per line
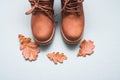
<point>42,21</point>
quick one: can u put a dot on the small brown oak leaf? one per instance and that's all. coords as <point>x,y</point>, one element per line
<point>29,49</point>
<point>86,48</point>
<point>57,57</point>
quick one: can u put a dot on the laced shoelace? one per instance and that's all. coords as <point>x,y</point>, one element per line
<point>69,8</point>
<point>37,6</point>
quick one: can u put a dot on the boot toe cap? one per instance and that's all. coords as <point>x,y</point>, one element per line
<point>72,28</point>
<point>43,34</point>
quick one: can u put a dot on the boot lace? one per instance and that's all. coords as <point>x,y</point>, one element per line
<point>41,5</point>
<point>71,7</point>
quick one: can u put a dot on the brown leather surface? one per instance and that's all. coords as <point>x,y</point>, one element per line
<point>42,27</point>
<point>42,21</point>
<point>72,25</point>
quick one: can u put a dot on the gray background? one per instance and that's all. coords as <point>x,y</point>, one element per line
<point>102,25</point>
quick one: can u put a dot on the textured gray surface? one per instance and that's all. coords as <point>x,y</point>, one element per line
<point>102,24</point>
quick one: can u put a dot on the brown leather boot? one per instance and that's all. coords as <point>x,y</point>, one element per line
<point>72,25</point>
<point>42,22</point>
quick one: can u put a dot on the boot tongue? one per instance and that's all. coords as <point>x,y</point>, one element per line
<point>43,0</point>
<point>73,0</point>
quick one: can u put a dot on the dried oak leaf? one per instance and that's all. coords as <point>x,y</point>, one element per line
<point>29,49</point>
<point>86,48</point>
<point>23,40</point>
<point>57,57</point>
